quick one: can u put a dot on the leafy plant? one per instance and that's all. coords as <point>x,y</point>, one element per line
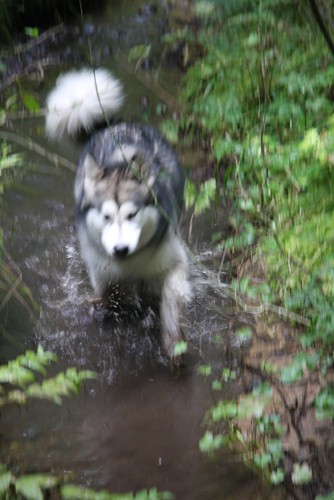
<point>72,492</point>
<point>21,374</point>
<point>264,103</point>
<point>34,487</point>
<point>200,199</point>
<point>28,486</point>
<point>17,384</point>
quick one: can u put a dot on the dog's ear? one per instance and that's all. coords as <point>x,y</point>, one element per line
<point>92,170</point>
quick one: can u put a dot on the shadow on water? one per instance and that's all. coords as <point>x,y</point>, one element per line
<point>140,425</point>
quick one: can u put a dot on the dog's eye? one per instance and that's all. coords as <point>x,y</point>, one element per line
<point>107,217</point>
<point>132,215</point>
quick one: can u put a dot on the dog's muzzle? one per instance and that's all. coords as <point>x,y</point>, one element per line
<point>121,251</point>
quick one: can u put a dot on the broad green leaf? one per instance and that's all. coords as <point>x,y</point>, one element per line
<point>205,370</point>
<point>301,474</point>
<point>277,476</point>
<point>30,486</point>
<point>180,348</point>
<point>139,52</point>
<point>33,32</point>
<point>5,480</point>
<point>30,102</point>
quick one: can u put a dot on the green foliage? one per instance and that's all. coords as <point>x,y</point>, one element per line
<point>244,333</point>
<point>264,101</point>
<point>31,486</point>
<point>210,443</point>
<point>32,32</point>
<point>35,486</point>
<point>21,374</point>
<point>170,130</point>
<point>301,364</point>
<point>205,370</point>
<point>139,53</point>
<point>301,474</point>
<point>9,163</point>
<point>267,448</point>
<point>30,102</point>
<point>180,348</point>
<point>200,199</point>
<point>28,486</point>
<point>73,492</point>
<point>325,497</point>
<point>324,403</point>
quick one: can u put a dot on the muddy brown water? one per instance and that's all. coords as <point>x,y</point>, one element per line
<point>139,425</point>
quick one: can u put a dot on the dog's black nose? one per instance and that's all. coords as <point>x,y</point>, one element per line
<point>121,250</point>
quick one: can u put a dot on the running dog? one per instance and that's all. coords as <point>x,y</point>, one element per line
<point>128,193</point>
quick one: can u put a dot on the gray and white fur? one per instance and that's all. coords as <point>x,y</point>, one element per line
<point>128,194</point>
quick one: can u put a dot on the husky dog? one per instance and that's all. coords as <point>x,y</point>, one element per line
<point>128,193</point>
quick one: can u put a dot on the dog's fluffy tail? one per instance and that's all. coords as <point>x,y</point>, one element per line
<point>80,100</point>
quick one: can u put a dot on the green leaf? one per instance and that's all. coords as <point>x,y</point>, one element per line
<point>223,410</point>
<point>277,476</point>
<point>30,486</point>
<point>139,52</point>
<point>32,32</point>
<point>262,460</point>
<point>244,333</point>
<point>301,474</point>
<point>290,374</point>
<point>61,385</point>
<point>216,385</point>
<point>204,9</point>
<point>275,447</point>
<point>209,443</point>
<point>205,196</point>
<point>5,480</point>
<point>205,370</point>
<point>170,129</point>
<point>324,403</point>
<point>30,102</point>
<point>12,373</point>
<point>73,492</point>
<point>325,497</point>
<point>190,194</point>
<point>180,348</point>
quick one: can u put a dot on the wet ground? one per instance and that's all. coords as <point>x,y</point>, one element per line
<point>140,424</point>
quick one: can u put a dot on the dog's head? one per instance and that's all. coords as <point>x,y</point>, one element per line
<point>119,205</point>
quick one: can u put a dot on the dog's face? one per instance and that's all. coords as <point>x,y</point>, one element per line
<point>119,216</point>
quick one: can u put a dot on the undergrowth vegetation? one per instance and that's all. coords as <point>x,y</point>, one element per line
<point>262,95</point>
<point>22,379</point>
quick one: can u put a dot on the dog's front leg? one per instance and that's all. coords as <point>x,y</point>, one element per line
<point>176,293</point>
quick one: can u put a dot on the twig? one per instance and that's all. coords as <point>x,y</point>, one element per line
<point>19,49</point>
<point>13,291</point>
<point>28,143</point>
<point>35,66</point>
<point>24,113</point>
